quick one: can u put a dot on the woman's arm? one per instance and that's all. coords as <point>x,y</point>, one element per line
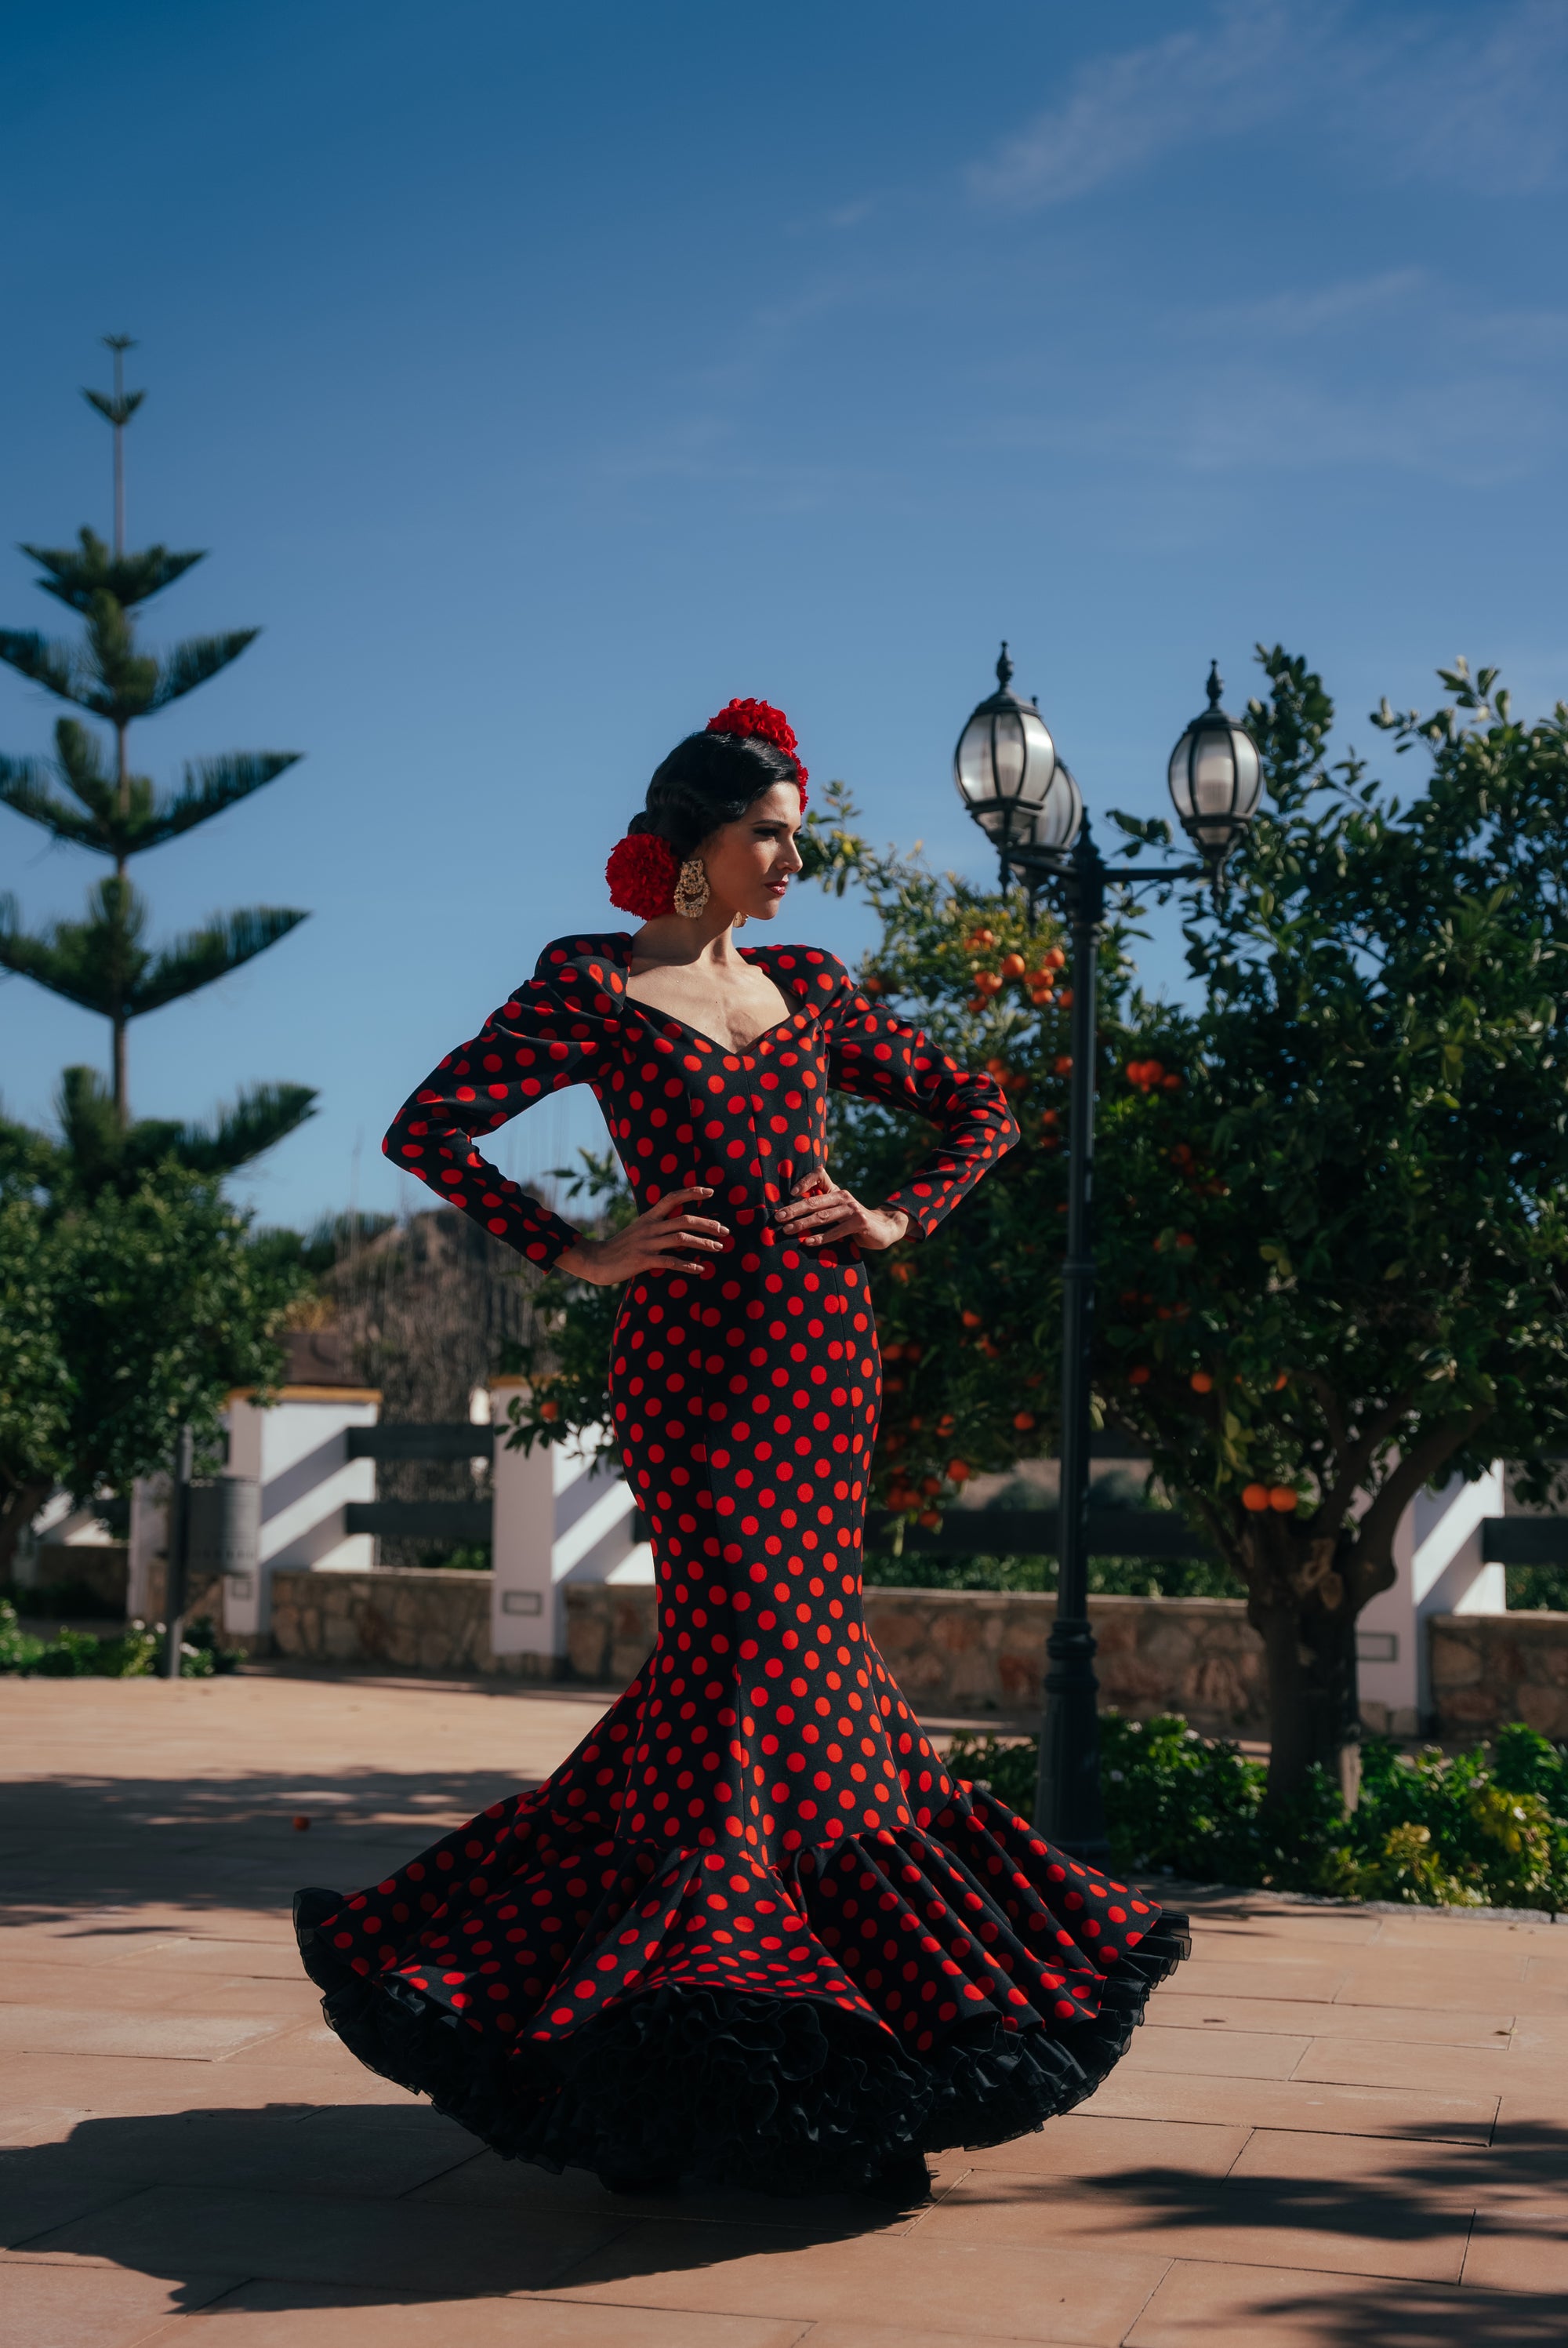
<point>535,1043</point>
<point>878,1056</point>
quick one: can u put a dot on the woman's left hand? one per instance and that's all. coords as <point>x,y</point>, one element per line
<point>819,1211</point>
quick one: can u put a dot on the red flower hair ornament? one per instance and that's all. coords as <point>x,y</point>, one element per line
<point>644,869</point>
<point>761,718</point>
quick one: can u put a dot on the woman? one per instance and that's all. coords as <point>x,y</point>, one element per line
<point>751,1930</point>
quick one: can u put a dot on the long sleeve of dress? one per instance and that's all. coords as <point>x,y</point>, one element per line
<point>548,1034</point>
<point>880,1058</point>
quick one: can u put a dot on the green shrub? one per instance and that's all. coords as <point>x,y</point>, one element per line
<point>19,1650</point>
<point>135,1654</point>
<point>1483,1828</point>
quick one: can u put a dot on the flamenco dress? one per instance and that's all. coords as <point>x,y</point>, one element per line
<point>751,1930</point>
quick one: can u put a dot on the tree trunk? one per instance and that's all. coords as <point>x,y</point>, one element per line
<point>1300,1601</point>
<point>19,1504</point>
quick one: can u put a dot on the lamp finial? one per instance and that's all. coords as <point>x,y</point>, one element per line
<point>1216,685</point>
<point>1004,667</point>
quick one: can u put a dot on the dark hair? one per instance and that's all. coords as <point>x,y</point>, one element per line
<point>709,779</point>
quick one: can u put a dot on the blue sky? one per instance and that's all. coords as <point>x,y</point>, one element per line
<point>541,377</point>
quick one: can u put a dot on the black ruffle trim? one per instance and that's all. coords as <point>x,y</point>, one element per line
<point>784,2095</point>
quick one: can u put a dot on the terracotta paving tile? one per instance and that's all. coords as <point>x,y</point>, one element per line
<point>1540,2036</point>
<point>1522,2248</point>
<point>43,2098</point>
<point>995,2292</point>
<point>1293,2103</point>
<point>90,2307</point>
<point>1230,2053</point>
<point>1256,2228</point>
<point>1306,1928</point>
<point>1409,2172</point>
<point>200,1954</point>
<point>283,2316</point>
<point>33,2202</point>
<point>38,2030</point>
<point>1266,1976</point>
<point>1172,2009</point>
<point>1199,2306</point>
<point>299,2237</point>
<point>109,1989</point>
<point>1364,2062</point>
<point>1454,1929</point>
<point>1081,2145</point>
<point>363,2150</point>
<point>309,2044</point>
<point>1421,1980</point>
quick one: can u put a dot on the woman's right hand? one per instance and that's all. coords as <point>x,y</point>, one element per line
<point>662,1240</point>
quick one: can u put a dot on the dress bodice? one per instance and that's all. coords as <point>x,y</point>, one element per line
<point>681,1108</point>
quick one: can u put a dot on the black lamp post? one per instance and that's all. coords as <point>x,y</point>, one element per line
<point>1017,789</point>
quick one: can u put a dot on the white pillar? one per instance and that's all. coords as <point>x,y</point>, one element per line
<point>1439,1570</point>
<point>560,1516</point>
<point>297,1451</point>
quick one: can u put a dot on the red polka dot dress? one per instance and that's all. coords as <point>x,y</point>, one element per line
<point>750,1929</point>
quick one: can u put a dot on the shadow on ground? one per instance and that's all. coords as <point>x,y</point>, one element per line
<point>73,1847</point>
<point>393,2198</point>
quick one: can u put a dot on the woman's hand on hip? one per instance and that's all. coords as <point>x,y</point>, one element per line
<point>666,1238</point>
<point>820,1211</point>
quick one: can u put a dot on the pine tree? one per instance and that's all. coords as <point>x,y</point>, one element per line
<point>103,961</point>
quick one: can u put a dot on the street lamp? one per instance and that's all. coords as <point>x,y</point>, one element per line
<point>1017,789</point>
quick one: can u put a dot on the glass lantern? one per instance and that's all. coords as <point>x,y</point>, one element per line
<point>1216,776</point>
<point>1004,765</point>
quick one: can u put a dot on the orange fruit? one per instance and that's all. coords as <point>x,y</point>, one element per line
<point>1139,1374</point>
<point>1201,1382</point>
<point>1023,1420</point>
<point>1282,1497</point>
<point>1053,958</point>
<point>971,1320</point>
<point>979,938</point>
<point>1012,965</point>
<point>1064,1064</point>
<point>958,1472</point>
<point>1282,1380</point>
<point>930,1518</point>
<point>1255,1499</point>
<point>549,1410</point>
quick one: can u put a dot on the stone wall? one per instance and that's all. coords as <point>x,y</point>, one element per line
<point>1487,1669</point>
<point>983,1650</point>
<point>417,1619</point>
<point>967,1651</point>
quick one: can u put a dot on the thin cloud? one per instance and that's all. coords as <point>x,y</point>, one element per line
<point>1125,112</point>
<point>1485,109</point>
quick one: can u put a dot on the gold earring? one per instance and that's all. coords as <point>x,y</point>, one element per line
<point>691,890</point>
<point>740,921</point>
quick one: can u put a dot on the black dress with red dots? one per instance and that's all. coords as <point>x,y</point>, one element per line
<point>751,1930</point>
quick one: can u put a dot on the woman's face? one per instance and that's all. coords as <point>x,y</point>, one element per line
<point>749,864</point>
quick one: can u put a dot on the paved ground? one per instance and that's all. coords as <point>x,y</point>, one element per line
<point>1337,2129</point>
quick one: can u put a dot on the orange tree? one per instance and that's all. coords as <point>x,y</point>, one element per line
<point>1331,1192</point>
<point>1331,1189</point>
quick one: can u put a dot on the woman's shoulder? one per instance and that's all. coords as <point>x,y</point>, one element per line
<point>811,972</point>
<point>595,961</point>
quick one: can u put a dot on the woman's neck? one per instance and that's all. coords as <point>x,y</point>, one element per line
<point>671,938</point>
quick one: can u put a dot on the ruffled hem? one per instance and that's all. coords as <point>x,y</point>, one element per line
<point>782,2092</point>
